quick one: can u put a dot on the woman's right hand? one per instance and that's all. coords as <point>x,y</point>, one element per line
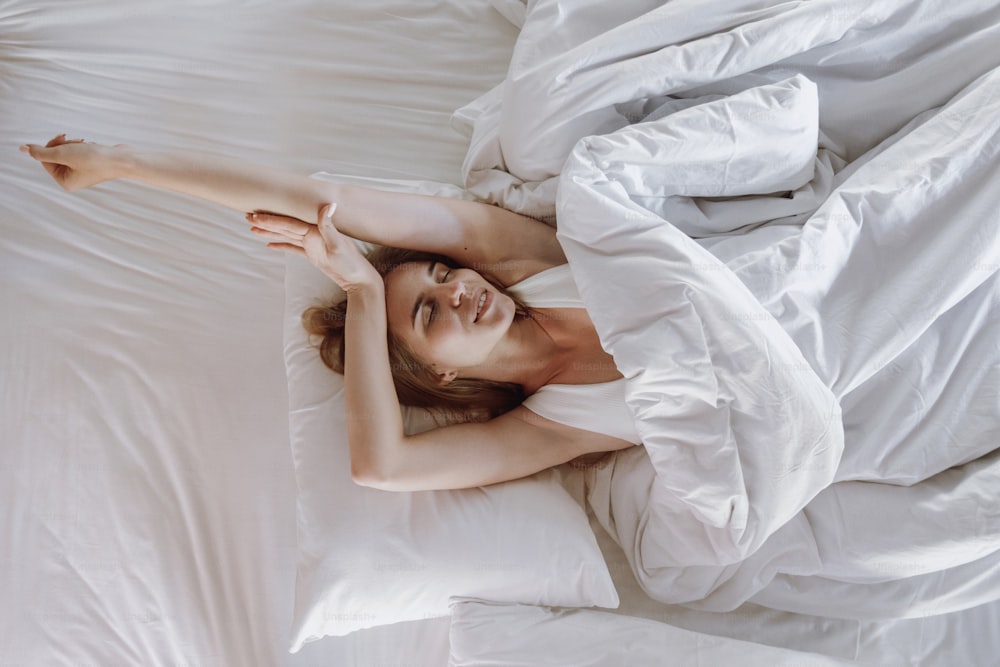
<point>75,164</point>
<point>322,244</point>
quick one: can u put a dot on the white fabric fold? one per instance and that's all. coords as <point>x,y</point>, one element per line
<point>799,283</point>
<point>734,421</point>
<point>741,435</point>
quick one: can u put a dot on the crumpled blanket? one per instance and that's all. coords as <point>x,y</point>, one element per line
<point>808,330</point>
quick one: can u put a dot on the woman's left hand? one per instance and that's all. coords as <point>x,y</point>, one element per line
<point>76,164</point>
<point>322,244</point>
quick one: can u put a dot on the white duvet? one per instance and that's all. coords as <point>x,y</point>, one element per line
<point>805,307</point>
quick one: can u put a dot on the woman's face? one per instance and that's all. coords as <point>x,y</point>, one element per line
<point>441,315</point>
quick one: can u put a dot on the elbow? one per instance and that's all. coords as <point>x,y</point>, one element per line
<point>373,477</point>
<point>384,468</point>
<point>368,465</point>
<point>365,474</point>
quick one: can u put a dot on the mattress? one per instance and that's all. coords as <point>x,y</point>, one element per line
<point>146,480</point>
<point>147,487</point>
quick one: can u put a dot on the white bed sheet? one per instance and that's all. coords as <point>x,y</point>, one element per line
<point>147,501</point>
<point>965,637</point>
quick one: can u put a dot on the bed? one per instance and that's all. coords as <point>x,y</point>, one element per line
<point>169,448</point>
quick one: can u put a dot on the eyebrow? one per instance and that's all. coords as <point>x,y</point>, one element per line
<point>420,300</point>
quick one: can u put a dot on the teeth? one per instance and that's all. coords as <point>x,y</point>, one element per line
<point>479,308</point>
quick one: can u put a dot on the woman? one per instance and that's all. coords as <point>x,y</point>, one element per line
<point>457,325</point>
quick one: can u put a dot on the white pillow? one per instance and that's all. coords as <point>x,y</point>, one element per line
<point>369,557</point>
<point>486,634</point>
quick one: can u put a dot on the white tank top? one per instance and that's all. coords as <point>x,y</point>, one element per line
<point>593,407</point>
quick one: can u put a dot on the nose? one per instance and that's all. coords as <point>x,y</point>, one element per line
<point>455,291</point>
<point>451,292</point>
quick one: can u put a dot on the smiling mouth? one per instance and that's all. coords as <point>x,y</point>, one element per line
<point>483,298</point>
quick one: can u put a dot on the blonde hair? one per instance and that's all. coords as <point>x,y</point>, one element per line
<point>417,385</point>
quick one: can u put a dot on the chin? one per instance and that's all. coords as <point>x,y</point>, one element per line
<point>507,309</point>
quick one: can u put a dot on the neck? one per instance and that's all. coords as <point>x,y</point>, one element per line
<point>531,354</point>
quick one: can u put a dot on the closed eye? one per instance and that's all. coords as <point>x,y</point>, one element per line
<point>433,309</point>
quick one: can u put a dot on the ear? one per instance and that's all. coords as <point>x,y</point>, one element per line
<point>446,377</point>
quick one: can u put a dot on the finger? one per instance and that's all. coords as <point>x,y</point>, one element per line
<point>287,247</point>
<point>328,231</point>
<point>284,238</point>
<point>55,141</point>
<point>31,149</point>
<point>276,220</point>
<point>268,215</point>
<point>326,214</point>
<point>279,223</point>
<point>40,153</point>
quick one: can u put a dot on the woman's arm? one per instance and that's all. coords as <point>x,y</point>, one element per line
<point>374,423</point>
<point>504,244</point>
<point>514,445</point>
<point>511,446</point>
